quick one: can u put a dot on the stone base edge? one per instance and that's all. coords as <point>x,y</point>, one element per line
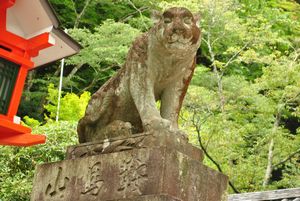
<point>150,198</point>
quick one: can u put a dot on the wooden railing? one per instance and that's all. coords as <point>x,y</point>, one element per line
<point>292,194</point>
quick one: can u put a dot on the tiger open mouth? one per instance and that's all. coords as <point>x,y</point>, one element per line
<point>178,39</point>
<point>180,43</point>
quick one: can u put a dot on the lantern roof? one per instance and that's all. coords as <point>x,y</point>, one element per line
<point>31,18</point>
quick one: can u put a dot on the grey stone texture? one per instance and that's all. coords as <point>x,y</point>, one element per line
<point>157,166</point>
<point>152,198</point>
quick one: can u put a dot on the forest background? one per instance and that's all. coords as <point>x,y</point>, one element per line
<point>242,108</point>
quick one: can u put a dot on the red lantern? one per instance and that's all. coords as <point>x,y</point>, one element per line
<point>29,37</point>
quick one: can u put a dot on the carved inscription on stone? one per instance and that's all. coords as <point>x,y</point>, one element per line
<point>195,184</point>
<point>94,181</point>
<point>57,187</point>
<point>133,174</point>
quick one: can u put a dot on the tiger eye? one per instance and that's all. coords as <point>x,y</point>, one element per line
<point>187,20</point>
<point>167,20</point>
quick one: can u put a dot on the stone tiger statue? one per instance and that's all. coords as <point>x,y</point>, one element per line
<point>158,67</point>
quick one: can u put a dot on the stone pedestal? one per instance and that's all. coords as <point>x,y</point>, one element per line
<point>158,166</point>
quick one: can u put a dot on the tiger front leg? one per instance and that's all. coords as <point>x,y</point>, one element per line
<point>142,92</point>
<point>171,101</point>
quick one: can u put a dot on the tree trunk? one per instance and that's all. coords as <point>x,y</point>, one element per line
<point>30,77</point>
<point>270,164</point>
<point>269,168</point>
<point>74,71</point>
<point>217,74</point>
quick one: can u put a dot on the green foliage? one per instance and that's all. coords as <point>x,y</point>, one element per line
<point>192,5</point>
<point>141,23</point>
<point>31,122</point>
<point>34,97</point>
<point>103,52</point>
<point>107,45</point>
<point>246,93</point>
<point>66,11</point>
<point>91,13</point>
<point>17,164</point>
<point>238,136</point>
<point>72,107</point>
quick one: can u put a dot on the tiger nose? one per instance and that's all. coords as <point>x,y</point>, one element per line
<point>178,29</point>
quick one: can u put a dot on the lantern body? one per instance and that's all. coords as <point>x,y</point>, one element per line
<point>24,46</point>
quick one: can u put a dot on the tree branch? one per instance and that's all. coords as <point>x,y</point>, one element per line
<point>139,11</point>
<point>127,17</point>
<point>74,7</point>
<point>77,21</point>
<point>198,130</point>
<point>236,54</point>
<point>217,74</point>
<point>94,81</point>
<point>287,158</point>
<point>74,71</point>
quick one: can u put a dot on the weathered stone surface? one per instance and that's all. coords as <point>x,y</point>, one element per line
<point>159,66</point>
<point>151,198</point>
<point>131,175</point>
<point>176,140</point>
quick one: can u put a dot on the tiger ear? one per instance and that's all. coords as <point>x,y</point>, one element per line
<point>197,18</point>
<point>156,16</point>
